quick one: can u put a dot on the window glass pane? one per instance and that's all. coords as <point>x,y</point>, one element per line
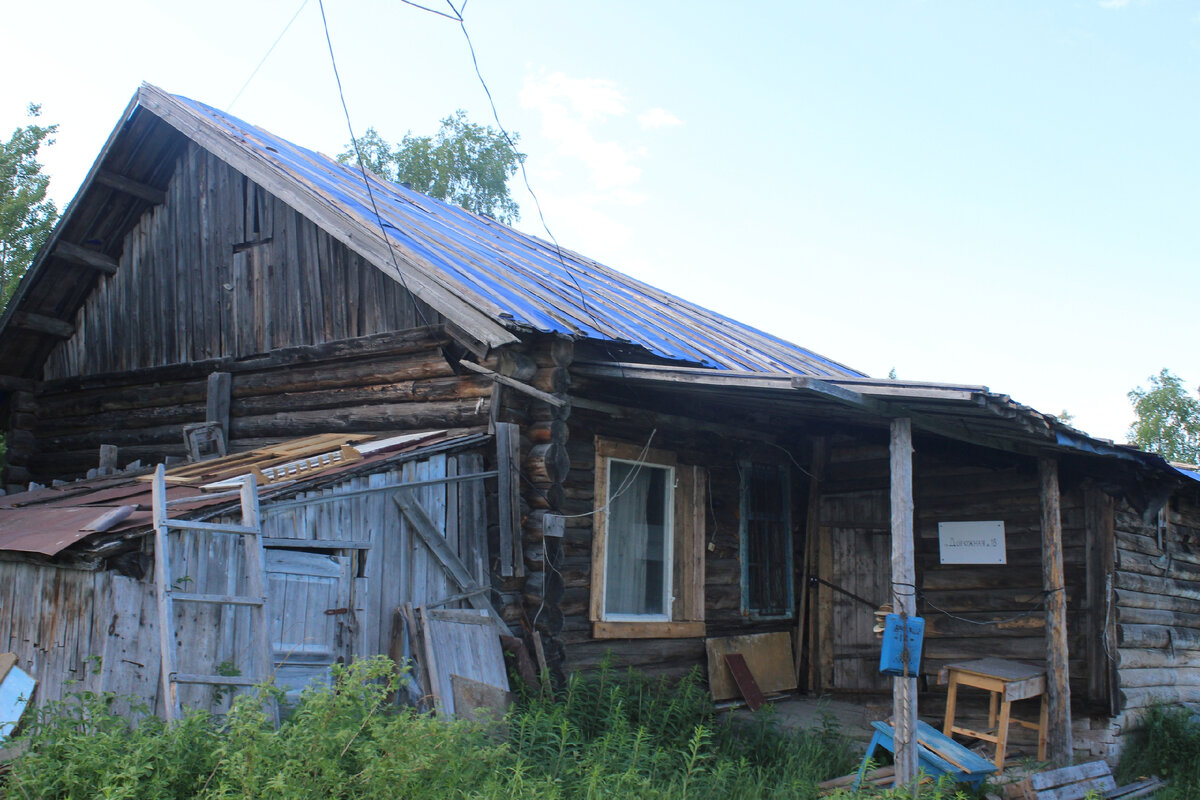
<point>768,540</point>
<point>637,549</point>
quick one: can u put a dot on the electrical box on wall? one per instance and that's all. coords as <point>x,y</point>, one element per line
<point>554,525</point>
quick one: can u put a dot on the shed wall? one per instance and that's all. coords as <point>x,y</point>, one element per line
<point>100,628</point>
<point>224,269</point>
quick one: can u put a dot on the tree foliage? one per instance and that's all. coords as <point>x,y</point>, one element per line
<point>1168,419</point>
<point>26,216</point>
<point>464,163</point>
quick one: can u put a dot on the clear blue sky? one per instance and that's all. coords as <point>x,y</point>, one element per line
<point>1001,193</point>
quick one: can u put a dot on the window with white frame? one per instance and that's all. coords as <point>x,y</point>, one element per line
<point>647,571</point>
<point>638,532</point>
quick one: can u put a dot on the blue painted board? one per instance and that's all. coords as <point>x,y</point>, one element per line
<point>16,689</point>
<point>974,767</point>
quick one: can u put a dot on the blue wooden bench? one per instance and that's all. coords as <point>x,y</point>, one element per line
<point>937,755</point>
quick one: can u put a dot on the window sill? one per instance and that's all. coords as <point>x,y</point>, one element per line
<point>647,630</point>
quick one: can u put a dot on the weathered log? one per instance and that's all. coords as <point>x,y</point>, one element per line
<point>1058,687</point>
<point>554,380</point>
<point>547,463</point>
<point>544,411</point>
<point>544,585</point>
<point>548,496</point>
<point>397,416</point>
<point>1132,659</point>
<point>23,401</point>
<point>1127,615</point>
<point>390,343</point>
<point>1148,696</point>
<point>172,415</point>
<point>1157,637</point>
<point>546,617</point>
<point>513,364</point>
<point>557,352</point>
<point>555,431</point>
<point>1185,602</point>
<point>361,373</point>
<point>22,420</point>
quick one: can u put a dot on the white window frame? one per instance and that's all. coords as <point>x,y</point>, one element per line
<point>668,598</point>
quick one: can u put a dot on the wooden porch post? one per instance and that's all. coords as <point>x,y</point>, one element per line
<point>904,690</point>
<point>1058,687</point>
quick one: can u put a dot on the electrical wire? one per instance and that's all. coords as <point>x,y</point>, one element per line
<point>363,169</point>
<point>270,50</point>
<point>570,273</point>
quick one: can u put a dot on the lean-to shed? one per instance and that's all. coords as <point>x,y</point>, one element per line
<point>657,476</point>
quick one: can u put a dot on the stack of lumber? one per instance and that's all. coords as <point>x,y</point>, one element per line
<point>1075,783</point>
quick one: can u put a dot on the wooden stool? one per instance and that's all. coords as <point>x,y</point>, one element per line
<point>1006,681</point>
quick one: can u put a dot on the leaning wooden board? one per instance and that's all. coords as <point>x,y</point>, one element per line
<point>768,655</point>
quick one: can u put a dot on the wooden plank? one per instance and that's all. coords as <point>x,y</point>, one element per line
<point>647,630</point>
<point>537,394</point>
<point>691,507</point>
<point>40,323</point>
<point>451,563</point>
<point>1067,775</point>
<point>217,400</point>
<point>461,642</point>
<point>745,680</point>
<point>472,697</point>
<point>86,257</point>
<point>1058,690</point>
<point>508,443</point>
<point>904,579</point>
<point>129,186</point>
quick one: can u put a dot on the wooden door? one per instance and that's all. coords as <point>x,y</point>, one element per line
<point>308,602</point>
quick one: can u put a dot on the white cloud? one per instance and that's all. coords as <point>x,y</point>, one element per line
<point>570,109</point>
<point>658,118</point>
<point>1113,3</point>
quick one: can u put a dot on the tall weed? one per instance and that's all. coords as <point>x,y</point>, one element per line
<point>1166,744</point>
<point>614,735</point>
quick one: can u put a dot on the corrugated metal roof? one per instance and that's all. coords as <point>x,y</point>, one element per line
<point>523,282</point>
<point>49,520</point>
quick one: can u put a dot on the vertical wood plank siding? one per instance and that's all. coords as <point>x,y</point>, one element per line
<point>223,269</point>
<point>56,618</point>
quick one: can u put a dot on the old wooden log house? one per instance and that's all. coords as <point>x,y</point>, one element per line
<point>620,471</point>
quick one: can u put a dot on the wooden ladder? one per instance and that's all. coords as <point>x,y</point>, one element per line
<point>258,670</point>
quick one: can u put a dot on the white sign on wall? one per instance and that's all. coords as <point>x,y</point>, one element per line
<point>972,542</point>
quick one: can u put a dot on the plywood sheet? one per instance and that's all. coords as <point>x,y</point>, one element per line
<point>462,642</point>
<point>768,655</point>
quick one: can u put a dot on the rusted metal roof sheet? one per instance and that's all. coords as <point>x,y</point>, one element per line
<point>49,520</point>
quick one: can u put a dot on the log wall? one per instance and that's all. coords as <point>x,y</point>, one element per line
<point>376,384</point>
<point>971,611</point>
<point>700,444</point>
<point>1156,599</point>
<point>224,269</point>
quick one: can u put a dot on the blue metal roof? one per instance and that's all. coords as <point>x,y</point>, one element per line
<point>523,282</point>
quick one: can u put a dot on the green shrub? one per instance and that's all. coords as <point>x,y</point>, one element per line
<point>1166,744</point>
<point>612,735</point>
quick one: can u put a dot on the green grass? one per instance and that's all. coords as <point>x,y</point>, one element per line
<point>615,735</point>
<point>1166,744</point>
